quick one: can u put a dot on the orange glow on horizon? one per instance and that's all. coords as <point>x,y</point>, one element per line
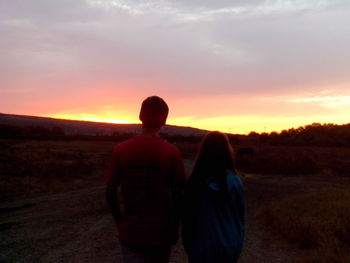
<point>86,117</point>
<point>236,115</point>
<point>226,124</point>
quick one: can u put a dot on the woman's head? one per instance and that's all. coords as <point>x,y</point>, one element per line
<point>215,153</point>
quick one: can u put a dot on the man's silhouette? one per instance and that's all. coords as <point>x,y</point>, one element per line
<point>150,174</point>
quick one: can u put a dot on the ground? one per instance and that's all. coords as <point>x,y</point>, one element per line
<point>76,226</point>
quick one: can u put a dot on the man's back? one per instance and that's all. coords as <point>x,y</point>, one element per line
<point>150,172</point>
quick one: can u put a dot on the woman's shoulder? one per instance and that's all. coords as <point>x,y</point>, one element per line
<point>233,180</point>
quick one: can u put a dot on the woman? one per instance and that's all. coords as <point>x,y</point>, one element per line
<point>213,216</point>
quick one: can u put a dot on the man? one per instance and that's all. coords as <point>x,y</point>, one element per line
<point>150,173</point>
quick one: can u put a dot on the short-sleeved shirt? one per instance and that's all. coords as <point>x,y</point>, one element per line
<point>150,172</point>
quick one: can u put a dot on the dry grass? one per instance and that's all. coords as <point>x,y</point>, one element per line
<point>29,167</point>
<point>318,222</point>
<point>299,160</point>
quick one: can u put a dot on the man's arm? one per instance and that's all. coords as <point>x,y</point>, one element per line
<point>113,179</point>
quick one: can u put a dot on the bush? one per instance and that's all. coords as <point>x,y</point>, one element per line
<point>319,222</point>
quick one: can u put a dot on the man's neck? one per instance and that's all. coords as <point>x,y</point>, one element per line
<point>150,132</point>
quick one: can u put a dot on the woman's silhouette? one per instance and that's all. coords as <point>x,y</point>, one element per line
<point>213,216</point>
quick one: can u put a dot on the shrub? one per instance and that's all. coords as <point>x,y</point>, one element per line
<point>319,222</point>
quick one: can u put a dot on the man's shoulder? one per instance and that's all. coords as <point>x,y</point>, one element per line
<point>122,146</point>
<point>171,147</point>
<point>141,140</point>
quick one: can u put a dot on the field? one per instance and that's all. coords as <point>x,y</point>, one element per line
<point>319,222</point>
<point>30,167</point>
<point>284,187</point>
<point>302,160</point>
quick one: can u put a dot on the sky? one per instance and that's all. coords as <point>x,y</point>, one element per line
<point>235,66</point>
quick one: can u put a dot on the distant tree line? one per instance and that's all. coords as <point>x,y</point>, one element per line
<point>53,133</point>
<point>12,132</point>
<point>58,133</point>
<point>316,134</point>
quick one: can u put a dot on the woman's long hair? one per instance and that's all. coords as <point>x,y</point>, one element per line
<point>215,156</point>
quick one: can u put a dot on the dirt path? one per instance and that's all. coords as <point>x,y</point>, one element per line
<point>77,227</point>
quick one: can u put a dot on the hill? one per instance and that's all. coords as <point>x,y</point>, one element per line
<point>12,124</point>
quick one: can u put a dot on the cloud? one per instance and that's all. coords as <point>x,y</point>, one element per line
<point>181,49</point>
<point>15,91</point>
<point>325,99</point>
<point>120,40</point>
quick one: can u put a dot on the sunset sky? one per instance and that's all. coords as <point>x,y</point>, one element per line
<point>235,66</point>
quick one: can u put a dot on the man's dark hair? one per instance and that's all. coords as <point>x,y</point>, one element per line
<point>154,112</point>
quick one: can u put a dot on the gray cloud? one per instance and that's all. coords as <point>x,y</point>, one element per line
<point>208,47</point>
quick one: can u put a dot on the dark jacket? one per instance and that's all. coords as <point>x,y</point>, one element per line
<point>213,219</point>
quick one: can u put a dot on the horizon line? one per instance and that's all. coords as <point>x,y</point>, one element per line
<point>122,122</point>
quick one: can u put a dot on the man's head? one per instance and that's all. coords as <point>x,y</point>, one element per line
<point>154,112</point>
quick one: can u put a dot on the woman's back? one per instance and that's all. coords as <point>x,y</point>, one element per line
<point>213,219</point>
<point>213,215</point>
